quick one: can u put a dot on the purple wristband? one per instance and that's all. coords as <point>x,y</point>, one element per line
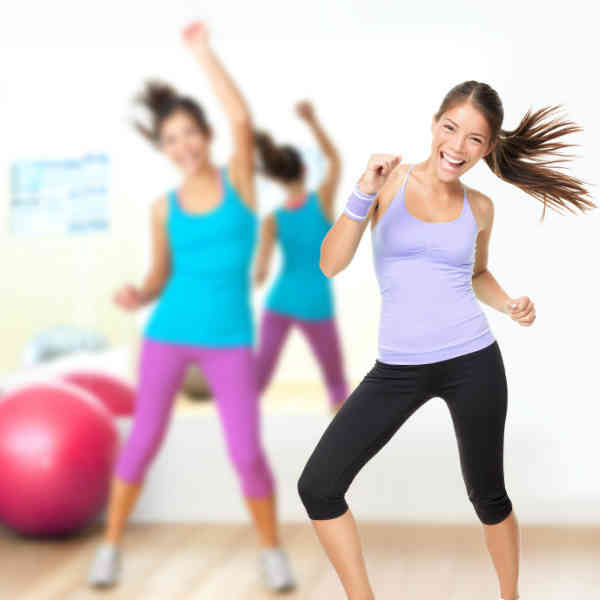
<point>358,204</point>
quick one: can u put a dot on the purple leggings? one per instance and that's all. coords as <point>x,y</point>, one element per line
<point>322,335</point>
<point>230,374</point>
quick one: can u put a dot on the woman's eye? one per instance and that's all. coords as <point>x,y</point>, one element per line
<point>477,140</point>
<point>449,127</point>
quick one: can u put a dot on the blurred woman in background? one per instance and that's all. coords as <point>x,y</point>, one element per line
<point>430,238</point>
<point>301,295</point>
<point>204,235</point>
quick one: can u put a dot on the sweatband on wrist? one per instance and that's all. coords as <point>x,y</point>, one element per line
<point>358,204</point>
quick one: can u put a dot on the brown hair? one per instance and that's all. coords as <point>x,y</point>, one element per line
<point>162,101</point>
<point>523,156</point>
<point>280,162</point>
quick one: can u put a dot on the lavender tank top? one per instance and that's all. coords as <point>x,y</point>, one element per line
<point>429,311</point>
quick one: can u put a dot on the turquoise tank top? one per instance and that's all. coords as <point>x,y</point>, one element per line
<point>301,289</point>
<point>207,298</point>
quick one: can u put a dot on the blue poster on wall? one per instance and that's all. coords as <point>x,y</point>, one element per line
<point>60,196</point>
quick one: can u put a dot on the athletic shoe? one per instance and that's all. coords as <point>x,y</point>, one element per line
<point>106,568</point>
<point>276,570</point>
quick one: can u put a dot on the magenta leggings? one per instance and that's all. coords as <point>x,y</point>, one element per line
<point>230,374</point>
<point>322,335</point>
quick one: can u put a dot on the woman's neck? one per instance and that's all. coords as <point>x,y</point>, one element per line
<point>427,171</point>
<point>202,176</point>
<point>295,195</point>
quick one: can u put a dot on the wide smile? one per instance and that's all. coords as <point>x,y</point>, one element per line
<point>450,163</point>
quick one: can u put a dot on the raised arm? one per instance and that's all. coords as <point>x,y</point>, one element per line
<point>266,246</point>
<point>241,164</point>
<point>343,238</point>
<point>328,187</point>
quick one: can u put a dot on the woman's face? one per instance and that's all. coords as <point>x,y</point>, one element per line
<point>184,142</point>
<point>460,138</point>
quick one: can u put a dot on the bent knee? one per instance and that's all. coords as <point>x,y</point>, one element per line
<point>319,499</point>
<point>306,486</point>
<point>492,510</point>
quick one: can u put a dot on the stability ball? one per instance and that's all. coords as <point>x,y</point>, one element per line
<point>117,396</point>
<point>58,445</point>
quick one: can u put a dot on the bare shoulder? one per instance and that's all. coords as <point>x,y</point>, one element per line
<point>388,191</point>
<point>399,172</point>
<point>160,209</point>
<point>482,208</point>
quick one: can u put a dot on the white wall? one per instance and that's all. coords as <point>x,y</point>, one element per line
<point>376,71</point>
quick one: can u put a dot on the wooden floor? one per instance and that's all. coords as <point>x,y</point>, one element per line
<point>218,562</point>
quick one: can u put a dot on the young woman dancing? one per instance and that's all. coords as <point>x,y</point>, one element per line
<point>301,295</point>
<point>430,237</point>
<point>204,235</point>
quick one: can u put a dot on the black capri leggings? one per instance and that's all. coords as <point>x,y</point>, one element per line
<point>474,388</point>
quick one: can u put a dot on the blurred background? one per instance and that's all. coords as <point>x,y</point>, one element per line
<point>375,72</point>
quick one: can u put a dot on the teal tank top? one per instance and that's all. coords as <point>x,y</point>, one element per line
<point>206,301</point>
<point>301,289</point>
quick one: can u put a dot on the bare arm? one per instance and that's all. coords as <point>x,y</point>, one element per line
<point>266,246</point>
<point>328,187</point>
<point>160,269</point>
<point>241,164</point>
<point>340,243</point>
<point>485,286</point>
<point>131,297</point>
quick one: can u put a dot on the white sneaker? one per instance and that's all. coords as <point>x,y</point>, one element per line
<point>276,570</point>
<point>106,568</point>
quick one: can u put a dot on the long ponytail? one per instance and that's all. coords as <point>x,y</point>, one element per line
<point>280,162</point>
<point>529,156</point>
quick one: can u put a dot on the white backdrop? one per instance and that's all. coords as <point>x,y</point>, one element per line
<point>376,72</point>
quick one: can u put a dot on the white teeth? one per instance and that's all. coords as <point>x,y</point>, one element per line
<point>450,160</point>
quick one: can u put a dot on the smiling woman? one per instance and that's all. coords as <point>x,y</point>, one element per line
<point>434,339</point>
<point>519,156</point>
<point>203,236</point>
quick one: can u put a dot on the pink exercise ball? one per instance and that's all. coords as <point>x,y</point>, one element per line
<point>58,445</point>
<point>117,396</point>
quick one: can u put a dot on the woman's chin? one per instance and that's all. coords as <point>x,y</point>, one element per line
<point>446,177</point>
<point>189,169</point>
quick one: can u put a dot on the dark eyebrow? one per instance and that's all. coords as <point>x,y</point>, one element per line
<point>474,133</point>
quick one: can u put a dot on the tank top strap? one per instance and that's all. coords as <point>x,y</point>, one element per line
<point>173,205</point>
<point>467,206</point>
<point>277,212</point>
<point>467,203</point>
<point>312,199</point>
<point>403,187</point>
<point>231,194</point>
<point>401,192</point>
<point>173,208</point>
<point>226,185</point>
<point>397,203</point>
<point>318,207</point>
